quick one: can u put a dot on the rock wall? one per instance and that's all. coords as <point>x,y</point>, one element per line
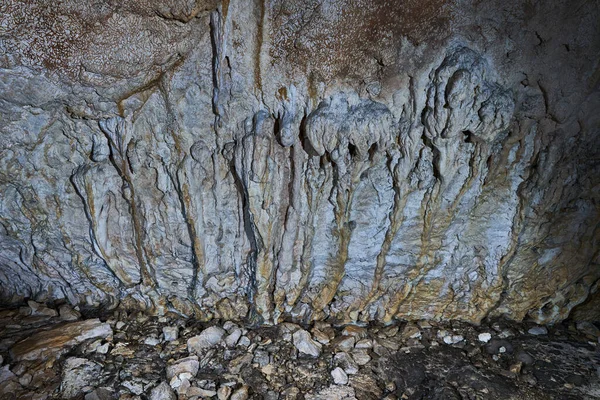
<point>342,159</point>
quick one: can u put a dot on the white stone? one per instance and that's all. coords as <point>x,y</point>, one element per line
<point>209,337</point>
<point>484,337</point>
<point>185,365</point>
<point>339,376</point>
<point>170,333</point>
<point>244,341</point>
<point>305,344</point>
<point>151,341</point>
<point>232,339</point>
<point>538,330</point>
<point>453,339</point>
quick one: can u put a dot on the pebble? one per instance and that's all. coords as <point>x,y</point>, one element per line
<point>232,339</point>
<point>151,341</point>
<point>196,391</point>
<point>347,363</point>
<point>344,343</point>
<point>305,344</point>
<point>411,331</point>
<point>364,344</point>
<point>339,376</point>
<point>361,357</point>
<point>453,339</point>
<point>538,330</point>
<point>185,365</point>
<point>170,333</point>
<point>484,337</point>
<point>358,332</point>
<point>207,339</point>
<point>77,374</point>
<point>162,392</point>
<point>244,341</point>
<point>224,392</point>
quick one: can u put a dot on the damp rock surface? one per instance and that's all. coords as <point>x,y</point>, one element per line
<point>561,364</point>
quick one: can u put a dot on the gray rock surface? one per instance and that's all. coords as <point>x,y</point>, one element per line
<point>305,344</point>
<point>358,160</point>
<point>78,374</point>
<point>208,338</point>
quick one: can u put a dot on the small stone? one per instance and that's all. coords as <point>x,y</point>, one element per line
<point>358,332</point>
<point>502,350</point>
<point>347,363</point>
<point>120,325</point>
<point>453,339</point>
<point>411,331</point>
<point>77,374</point>
<point>389,344</point>
<point>207,339</point>
<point>343,343</point>
<point>424,324</point>
<point>170,333</point>
<point>199,392</point>
<point>261,357</point>
<point>175,382</point>
<point>305,344</point>
<point>240,394</point>
<point>244,341</point>
<point>339,376</point>
<point>538,330</point>
<point>484,337</point>
<point>232,339</point>
<point>229,326</point>
<point>361,357</point>
<point>390,331</point>
<point>320,336</point>
<point>25,379</point>
<point>67,313</point>
<point>134,386</point>
<point>184,386</point>
<point>224,392</point>
<point>287,329</point>
<point>364,344</point>
<point>185,365</point>
<point>237,364</point>
<point>268,369</point>
<point>103,349</point>
<point>151,341</point>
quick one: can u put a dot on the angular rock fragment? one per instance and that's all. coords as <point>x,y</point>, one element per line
<point>339,376</point>
<point>59,339</point>
<point>78,374</point>
<point>185,365</point>
<point>162,392</point>
<point>305,344</point>
<point>208,338</point>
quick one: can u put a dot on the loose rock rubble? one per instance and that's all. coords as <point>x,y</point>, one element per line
<point>136,357</point>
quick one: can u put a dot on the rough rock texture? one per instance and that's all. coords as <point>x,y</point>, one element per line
<point>390,362</point>
<point>355,160</point>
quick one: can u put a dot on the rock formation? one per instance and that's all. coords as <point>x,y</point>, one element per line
<point>286,159</point>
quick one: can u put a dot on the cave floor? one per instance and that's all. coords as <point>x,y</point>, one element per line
<point>46,354</point>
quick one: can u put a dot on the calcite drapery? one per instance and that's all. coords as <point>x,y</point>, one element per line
<point>292,159</point>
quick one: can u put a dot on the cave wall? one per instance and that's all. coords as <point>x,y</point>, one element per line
<point>343,159</point>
